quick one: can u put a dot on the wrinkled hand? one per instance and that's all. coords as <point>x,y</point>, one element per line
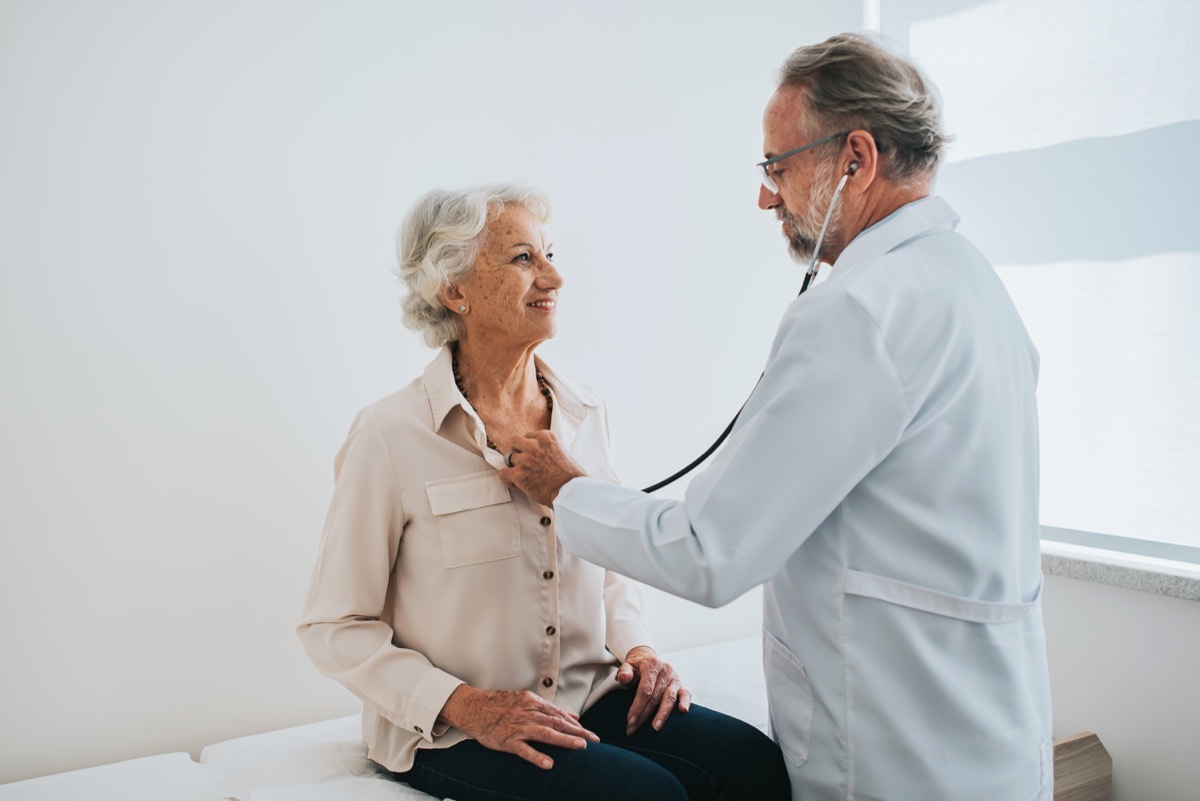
<point>540,467</point>
<point>509,720</point>
<point>658,688</point>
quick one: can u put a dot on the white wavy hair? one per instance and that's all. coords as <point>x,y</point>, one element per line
<point>437,245</point>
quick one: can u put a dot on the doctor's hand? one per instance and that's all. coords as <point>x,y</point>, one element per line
<point>658,688</point>
<point>540,467</point>
<point>509,720</point>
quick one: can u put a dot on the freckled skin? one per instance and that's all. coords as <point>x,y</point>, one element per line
<point>512,269</point>
<point>495,355</point>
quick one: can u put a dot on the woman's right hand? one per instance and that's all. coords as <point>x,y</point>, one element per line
<point>509,720</point>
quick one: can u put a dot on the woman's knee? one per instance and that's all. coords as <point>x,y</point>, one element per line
<point>758,768</point>
<point>650,781</point>
<point>605,772</point>
<point>743,762</point>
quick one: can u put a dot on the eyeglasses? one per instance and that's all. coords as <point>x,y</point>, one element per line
<point>768,177</point>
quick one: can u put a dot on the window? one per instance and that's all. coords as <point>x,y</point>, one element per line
<point>1075,170</point>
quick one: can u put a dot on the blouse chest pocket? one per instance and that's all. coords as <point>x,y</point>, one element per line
<point>476,519</point>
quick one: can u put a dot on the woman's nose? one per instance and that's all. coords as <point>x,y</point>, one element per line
<point>549,277</point>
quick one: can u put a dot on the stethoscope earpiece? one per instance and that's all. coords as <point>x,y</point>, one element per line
<point>808,277</point>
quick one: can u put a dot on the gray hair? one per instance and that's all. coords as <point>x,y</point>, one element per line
<point>853,81</point>
<point>438,243</point>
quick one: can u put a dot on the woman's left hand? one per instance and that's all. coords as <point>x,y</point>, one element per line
<point>658,690</point>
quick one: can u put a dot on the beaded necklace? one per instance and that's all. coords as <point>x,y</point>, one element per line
<point>541,380</point>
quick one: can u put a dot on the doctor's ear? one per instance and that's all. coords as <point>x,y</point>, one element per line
<point>863,155</point>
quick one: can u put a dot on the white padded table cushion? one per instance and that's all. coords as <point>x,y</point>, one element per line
<point>727,677</point>
<point>155,778</point>
<point>379,788</point>
<point>328,760</point>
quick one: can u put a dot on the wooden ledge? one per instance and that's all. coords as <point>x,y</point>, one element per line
<point>1082,768</point>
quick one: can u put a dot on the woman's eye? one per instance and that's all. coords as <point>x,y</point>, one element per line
<point>522,257</point>
<point>549,257</point>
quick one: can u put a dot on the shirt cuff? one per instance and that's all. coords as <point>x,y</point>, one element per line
<point>425,703</point>
<point>625,639</point>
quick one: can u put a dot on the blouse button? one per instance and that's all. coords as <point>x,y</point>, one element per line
<point>545,521</point>
<point>550,629</point>
<point>419,730</point>
<point>549,574</point>
<point>547,682</point>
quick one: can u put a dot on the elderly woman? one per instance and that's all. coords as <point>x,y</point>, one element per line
<point>484,655</point>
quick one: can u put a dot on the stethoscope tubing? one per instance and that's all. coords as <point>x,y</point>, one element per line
<point>809,275</point>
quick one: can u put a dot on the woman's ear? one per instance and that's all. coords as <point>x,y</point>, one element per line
<point>452,298</point>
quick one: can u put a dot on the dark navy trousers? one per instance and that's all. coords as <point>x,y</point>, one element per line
<point>700,755</point>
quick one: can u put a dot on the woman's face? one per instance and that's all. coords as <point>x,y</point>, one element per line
<point>512,294</point>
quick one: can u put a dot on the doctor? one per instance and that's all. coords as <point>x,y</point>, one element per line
<point>882,480</point>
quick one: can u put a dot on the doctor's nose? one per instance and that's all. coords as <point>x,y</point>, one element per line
<point>767,199</point>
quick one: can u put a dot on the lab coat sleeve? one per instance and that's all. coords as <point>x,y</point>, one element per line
<point>342,630</point>
<point>829,408</point>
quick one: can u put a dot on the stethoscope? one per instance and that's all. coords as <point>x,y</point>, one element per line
<point>809,274</point>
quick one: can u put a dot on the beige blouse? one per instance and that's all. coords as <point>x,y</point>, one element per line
<point>431,572</point>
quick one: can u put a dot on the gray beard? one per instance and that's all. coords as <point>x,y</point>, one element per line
<point>803,241</point>
<point>799,245</point>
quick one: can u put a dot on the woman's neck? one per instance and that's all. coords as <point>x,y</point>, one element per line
<point>501,379</point>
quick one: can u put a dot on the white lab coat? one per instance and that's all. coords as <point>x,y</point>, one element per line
<point>883,481</point>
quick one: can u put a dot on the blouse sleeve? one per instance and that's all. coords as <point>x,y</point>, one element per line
<point>342,629</point>
<point>625,608</point>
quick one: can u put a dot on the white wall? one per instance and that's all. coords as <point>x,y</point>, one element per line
<point>1124,664</point>
<point>197,203</point>
<point>196,211</point>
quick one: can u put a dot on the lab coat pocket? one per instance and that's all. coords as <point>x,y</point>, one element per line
<point>790,699</point>
<point>476,518</point>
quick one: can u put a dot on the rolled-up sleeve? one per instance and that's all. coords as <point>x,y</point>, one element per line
<point>342,629</point>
